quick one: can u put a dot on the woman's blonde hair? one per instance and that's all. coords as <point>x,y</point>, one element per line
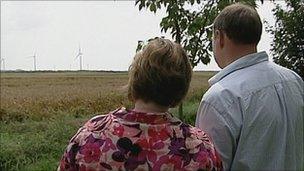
<point>160,73</point>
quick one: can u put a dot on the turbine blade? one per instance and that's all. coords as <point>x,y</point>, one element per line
<point>77,56</point>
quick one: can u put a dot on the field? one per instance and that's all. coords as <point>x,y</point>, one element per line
<point>40,111</point>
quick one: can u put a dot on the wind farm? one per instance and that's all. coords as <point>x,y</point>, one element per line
<point>79,58</point>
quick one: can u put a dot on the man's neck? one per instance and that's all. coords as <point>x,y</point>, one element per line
<point>237,52</point>
<point>149,107</point>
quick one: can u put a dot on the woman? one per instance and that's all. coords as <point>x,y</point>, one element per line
<point>147,137</point>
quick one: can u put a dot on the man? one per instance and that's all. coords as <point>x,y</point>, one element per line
<point>254,109</point>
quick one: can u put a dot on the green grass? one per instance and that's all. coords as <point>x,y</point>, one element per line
<point>38,145</point>
<point>40,112</point>
<point>190,106</point>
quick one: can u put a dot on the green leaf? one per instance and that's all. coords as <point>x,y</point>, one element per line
<point>287,46</point>
<point>153,7</point>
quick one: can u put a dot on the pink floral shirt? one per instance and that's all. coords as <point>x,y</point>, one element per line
<point>129,140</point>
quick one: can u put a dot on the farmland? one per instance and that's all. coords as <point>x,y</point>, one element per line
<point>40,111</point>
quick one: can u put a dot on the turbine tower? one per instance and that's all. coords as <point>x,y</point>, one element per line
<point>79,55</point>
<point>34,62</point>
<point>2,60</point>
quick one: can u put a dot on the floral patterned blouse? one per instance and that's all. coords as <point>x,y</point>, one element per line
<point>129,140</point>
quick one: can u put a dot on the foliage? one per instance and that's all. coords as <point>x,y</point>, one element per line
<point>189,23</point>
<point>288,32</point>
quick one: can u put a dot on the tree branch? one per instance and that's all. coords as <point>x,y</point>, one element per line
<point>202,30</point>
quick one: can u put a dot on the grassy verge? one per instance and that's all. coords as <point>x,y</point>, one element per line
<point>37,144</point>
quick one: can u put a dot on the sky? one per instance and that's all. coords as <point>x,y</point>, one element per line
<point>107,32</point>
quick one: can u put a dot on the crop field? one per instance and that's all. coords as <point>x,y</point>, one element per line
<point>40,111</point>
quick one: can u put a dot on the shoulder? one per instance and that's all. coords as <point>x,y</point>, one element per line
<point>101,122</point>
<point>221,96</point>
<point>262,75</point>
<point>95,125</point>
<point>92,141</point>
<point>243,82</point>
<point>195,138</point>
<point>285,73</point>
<point>204,152</point>
<point>198,134</point>
<point>98,123</point>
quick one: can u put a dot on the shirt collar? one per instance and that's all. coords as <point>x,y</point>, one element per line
<point>242,62</point>
<point>142,117</point>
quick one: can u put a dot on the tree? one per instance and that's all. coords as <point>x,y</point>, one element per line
<point>189,27</point>
<point>288,32</point>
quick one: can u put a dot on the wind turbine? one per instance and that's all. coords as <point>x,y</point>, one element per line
<point>79,55</point>
<point>2,60</point>
<point>34,57</point>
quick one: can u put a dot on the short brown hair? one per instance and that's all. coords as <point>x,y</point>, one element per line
<point>240,22</point>
<point>160,73</point>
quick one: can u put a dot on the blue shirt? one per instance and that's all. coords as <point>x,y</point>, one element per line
<point>253,112</point>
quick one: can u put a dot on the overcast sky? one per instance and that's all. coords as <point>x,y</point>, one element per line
<point>107,32</point>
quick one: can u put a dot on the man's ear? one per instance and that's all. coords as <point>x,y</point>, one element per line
<point>221,37</point>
